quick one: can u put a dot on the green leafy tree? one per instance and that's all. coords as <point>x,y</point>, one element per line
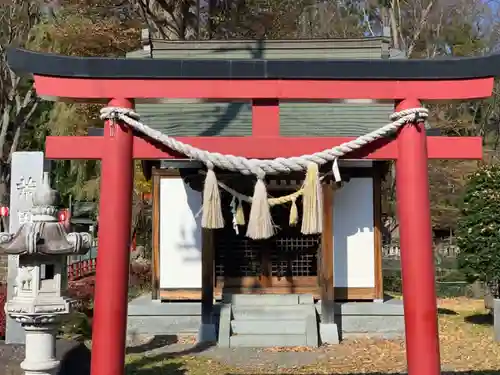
<point>66,33</point>
<point>115,31</point>
<point>478,233</point>
<point>20,108</point>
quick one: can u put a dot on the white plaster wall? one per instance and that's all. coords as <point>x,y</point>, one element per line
<point>180,235</point>
<point>353,238</point>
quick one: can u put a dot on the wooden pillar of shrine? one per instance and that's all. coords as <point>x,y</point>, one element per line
<point>207,328</point>
<point>417,258</point>
<point>111,290</point>
<point>326,281</point>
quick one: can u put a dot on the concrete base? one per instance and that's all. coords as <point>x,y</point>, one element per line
<point>354,319</point>
<point>329,333</point>
<point>496,320</point>
<point>146,316</point>
<point>369,319</point>
<point>206,333</point>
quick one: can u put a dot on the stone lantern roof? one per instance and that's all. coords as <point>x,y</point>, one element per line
<point>44,234</point>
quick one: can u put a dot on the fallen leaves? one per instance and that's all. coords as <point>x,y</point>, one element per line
<point>295,349</point>
<point>467,347</point>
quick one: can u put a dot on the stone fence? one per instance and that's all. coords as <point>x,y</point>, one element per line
<point>443,249</point>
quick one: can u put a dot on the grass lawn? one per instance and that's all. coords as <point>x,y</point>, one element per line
<point>466,348</point>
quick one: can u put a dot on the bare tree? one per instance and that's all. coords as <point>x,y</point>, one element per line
<point>18,101</point>
<point>429,28</point>
<point>170,19</point>
<point>334,19</point>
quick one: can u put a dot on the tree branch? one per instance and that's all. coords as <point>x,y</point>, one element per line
<point>420,27</point>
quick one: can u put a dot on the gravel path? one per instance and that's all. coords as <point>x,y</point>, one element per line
<point>76,358</point>
<point>10,357</point>
<point>244,357</point>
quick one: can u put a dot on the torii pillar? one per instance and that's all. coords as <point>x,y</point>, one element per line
<point>115,211</point>
<point>417,259</point>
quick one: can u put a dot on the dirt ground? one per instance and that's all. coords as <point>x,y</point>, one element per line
<point>466,341</point>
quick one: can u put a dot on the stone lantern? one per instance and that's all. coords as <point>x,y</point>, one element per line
<point>39,303</point>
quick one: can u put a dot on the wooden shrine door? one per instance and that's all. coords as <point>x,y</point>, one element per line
<point>285,263</point>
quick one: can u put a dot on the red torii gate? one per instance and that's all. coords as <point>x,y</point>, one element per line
<point>120,82</point>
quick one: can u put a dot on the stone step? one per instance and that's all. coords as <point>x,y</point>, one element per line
<point>266,341</point>
<point>296,312</point>
<point>163,325</point>
<point>268,299</point>
<point>268,327</point>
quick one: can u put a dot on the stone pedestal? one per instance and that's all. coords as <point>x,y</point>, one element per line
<point>40,318</point>
<point>40,346</point>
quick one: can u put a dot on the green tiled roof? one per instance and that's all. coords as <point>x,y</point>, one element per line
<point>202,118</point>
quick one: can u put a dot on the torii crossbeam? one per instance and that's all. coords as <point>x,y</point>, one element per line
<point>121,82</point>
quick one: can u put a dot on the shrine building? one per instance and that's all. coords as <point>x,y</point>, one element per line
<point>266,160</point>
<point>289,261</point>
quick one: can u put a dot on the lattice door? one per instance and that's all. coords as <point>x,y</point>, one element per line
<point>288,254</point>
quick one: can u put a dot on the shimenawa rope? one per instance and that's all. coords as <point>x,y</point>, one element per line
<point>260,223</point>
<point>260,167</point>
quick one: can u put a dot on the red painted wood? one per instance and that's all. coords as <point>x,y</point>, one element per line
<point>92,89</point>
<point>265,148</point>
<point>111,288</point>
<point>80,147</point>
<point>265,118</point>
<point>417,258</point>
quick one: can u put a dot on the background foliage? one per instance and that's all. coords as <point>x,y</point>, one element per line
<point>419,28</point>
<point>478,232</point>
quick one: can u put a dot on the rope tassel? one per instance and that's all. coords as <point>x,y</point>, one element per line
<point>260,222</point>
<point>240,214</point>
<point>294,214</point>
<point>336,170</point>
<point>312,201</point>
<point>212,211</point>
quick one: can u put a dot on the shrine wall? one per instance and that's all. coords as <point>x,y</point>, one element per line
<point>353,234</point>
<point>180,235</point>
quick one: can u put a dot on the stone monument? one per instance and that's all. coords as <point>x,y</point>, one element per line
<point>26,173</point>
<point>39,303</point>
